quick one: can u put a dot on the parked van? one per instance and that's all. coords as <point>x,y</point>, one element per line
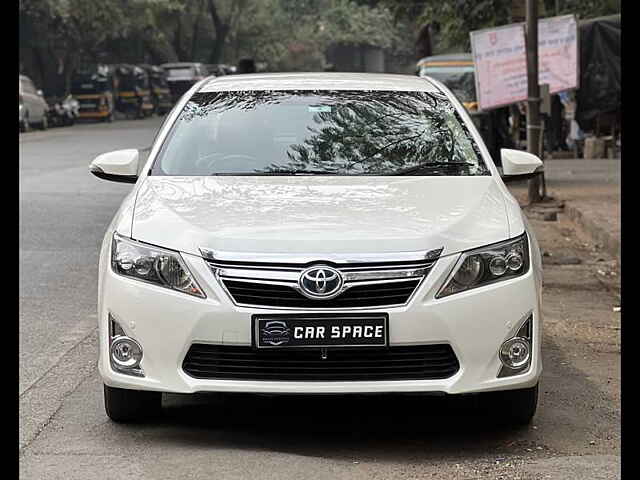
<point>182,76</point>
<point>32,107</point>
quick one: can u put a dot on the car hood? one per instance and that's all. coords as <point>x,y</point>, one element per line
<point>316,214</point>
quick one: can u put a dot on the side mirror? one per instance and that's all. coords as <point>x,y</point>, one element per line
<point>117,166</point>
<point>518,165</point>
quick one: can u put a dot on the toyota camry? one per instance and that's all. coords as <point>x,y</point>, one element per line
<point>318,233</point>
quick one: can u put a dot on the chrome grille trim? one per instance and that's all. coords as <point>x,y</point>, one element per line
<point>357,274</point>
<point>304,258</point>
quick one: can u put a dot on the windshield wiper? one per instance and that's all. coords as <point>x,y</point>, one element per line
<point>299,172</point>
<point>435,166</point>
<point>281,172</point>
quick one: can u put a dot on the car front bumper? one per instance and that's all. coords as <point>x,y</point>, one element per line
<point>166,323</point>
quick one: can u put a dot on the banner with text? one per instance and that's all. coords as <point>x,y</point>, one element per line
<point>500,60</point>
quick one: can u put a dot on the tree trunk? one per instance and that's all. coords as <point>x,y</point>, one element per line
<point>177,44</point>
<point>222,29</point>
<point>42,79</point>
<point>196,29</point>
<point>218,45</point>
<point>533,92</point>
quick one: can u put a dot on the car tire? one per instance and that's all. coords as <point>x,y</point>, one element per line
<point>44,124</point>
<point>512,407</point>
<point>25,127</point>
<point>130,406</point>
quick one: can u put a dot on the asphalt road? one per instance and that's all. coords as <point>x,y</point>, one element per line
<point>64,432</point>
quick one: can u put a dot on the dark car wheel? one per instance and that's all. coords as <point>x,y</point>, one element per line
<point>124,406</point>
<point>511,407</point>
<point>25,126</point>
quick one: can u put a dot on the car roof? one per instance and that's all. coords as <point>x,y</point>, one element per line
<point>460,58</point>
<point>318,81</point>
<point>180,64</point>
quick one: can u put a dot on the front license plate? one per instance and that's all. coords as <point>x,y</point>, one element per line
<point>286,331</point>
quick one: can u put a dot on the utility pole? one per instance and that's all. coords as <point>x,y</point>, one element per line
<point>534,130</point>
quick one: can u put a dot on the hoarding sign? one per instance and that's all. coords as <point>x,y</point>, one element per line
<point>500,60</point>
<point>558,53</point>
<point>501,69</point>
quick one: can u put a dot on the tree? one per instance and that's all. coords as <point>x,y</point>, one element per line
<point>288,34</point>
<point>584,9</point>
<point>454,28</point>
<point>224,23</point>
<point>68,31</point>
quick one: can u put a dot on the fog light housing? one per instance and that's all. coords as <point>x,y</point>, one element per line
<point>126,352</point>
<point>515,353</point>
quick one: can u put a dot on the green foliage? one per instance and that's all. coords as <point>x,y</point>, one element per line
<point>286,33</point>
<point>586,9</point>
<point>478,14</point>
<point>455,28</point>
<point>293,34</point>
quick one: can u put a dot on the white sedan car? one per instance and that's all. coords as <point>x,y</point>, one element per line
<point>318,233</point>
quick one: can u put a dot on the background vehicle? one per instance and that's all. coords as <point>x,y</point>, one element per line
<point>32,108</point>
<point>93,87</point>
<point>160,93</point>
<point>133,96</point>
<point>457,72</point>
<point>217,69</point>
<point>182,76</point>
<point>62,111</point>
<point>73,105</point>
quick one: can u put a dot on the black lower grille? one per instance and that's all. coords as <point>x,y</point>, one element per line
<point>372,295</point>
<point>423,362</point>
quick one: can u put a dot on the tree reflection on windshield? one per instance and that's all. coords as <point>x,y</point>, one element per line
<point>329,132</point>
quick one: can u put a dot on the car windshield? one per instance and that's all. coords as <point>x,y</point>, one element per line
<point>459,79</point>
<point>319,132</point>
<point>89,84</point>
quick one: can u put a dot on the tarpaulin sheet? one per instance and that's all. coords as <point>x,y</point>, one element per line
<point>600,89</point>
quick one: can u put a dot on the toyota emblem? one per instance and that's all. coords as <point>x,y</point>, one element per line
<point>320,282</point>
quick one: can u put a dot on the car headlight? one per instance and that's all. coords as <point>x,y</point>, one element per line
<point>152,264</point>
<point>487,265</point>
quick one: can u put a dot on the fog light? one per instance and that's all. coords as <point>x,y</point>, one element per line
<point>515,352</point>
<point>126,352</point>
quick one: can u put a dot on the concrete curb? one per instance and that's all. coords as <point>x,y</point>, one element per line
<point>610,243</point>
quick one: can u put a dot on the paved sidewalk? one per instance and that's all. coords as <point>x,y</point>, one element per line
<point>590,190</point>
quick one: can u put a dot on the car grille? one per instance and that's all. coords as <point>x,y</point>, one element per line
<point>373,295</point>
<point>277,285</point>
<point>223,362</point>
